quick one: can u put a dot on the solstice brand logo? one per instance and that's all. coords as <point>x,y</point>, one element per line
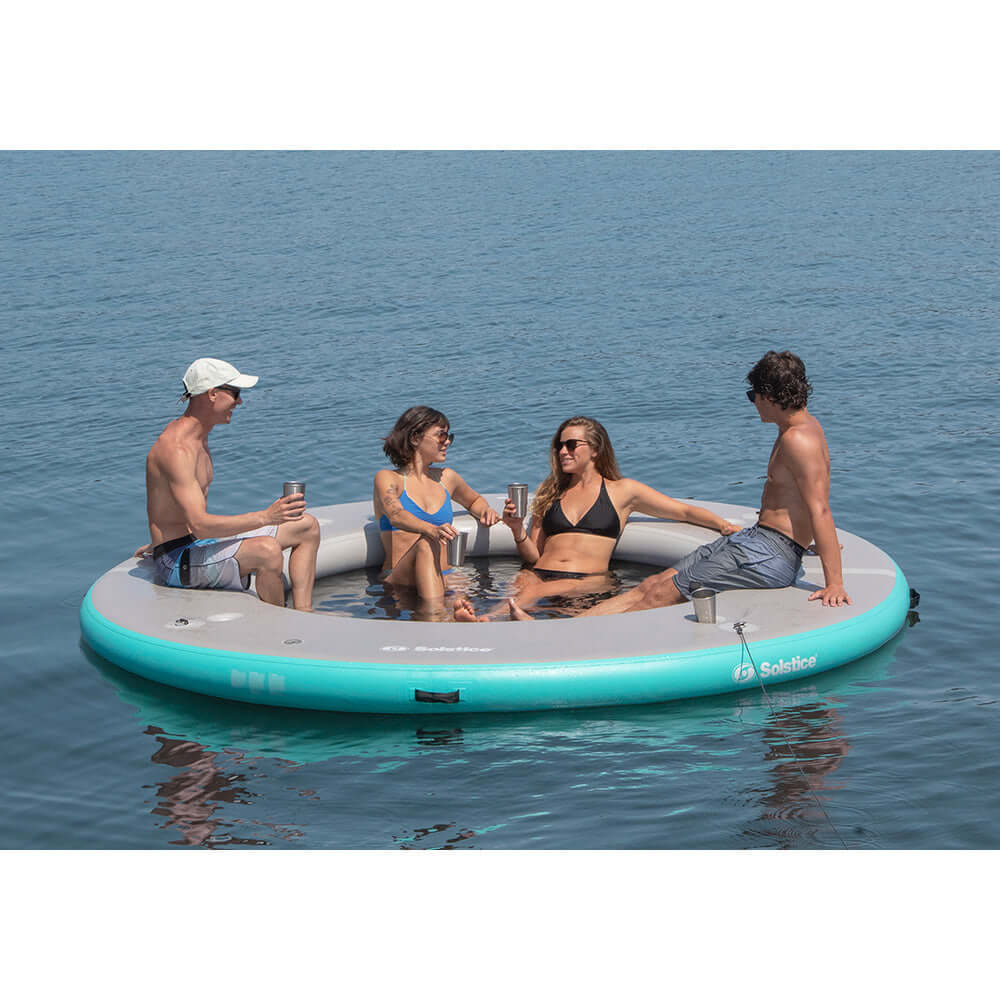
<point>795,665</point>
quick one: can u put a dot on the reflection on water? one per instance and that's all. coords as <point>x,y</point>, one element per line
<point>368,781</point>
<point>410,841</point>
<point>190,799</point>
<point>438,737</point>
<point>807,744</point>
<point>804,745</point>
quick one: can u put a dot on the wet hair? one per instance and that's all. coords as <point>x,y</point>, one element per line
<point>781,377</point>
<point>400,444</point>
<point>557,481</point>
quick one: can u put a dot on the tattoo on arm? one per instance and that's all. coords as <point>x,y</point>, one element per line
<point>390,501</point>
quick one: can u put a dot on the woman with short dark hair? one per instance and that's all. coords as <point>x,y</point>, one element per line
<point>413,504</point>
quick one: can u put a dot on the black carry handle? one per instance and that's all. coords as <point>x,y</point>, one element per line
<point>448,697</point>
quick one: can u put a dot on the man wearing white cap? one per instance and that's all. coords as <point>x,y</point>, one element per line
<point>192,548</point>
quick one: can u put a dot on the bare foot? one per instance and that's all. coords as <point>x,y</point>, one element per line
<point>465,612</point>
<point>516,613</point>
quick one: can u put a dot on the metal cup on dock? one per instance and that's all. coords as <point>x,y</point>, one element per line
<point>704,605</point>
<point>287,489</point>
<point>518,492</point>
<point>457,547</point>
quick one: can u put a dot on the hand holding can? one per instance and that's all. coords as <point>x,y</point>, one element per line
<point>517,493</point>
<point>291,488</point>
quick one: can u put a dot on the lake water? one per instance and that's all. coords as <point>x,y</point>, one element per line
<point>510,291</point>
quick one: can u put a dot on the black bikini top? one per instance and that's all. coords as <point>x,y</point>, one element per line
<point>601,519</point>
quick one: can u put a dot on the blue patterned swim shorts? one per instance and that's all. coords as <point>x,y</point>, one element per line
<point>204,563</point>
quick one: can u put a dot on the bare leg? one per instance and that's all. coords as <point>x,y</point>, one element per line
<point>529,590</point>
<point>404,598</point>
<point>420,567</point>
<point>302,536</point>
<point>523,601</point>
<point>526,591</point>
<point>658,591</point>
<point>263,556</point>
<point>433,609</point>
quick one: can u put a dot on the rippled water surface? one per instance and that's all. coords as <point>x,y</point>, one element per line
<point>510,291</point>
<point>486,583</point>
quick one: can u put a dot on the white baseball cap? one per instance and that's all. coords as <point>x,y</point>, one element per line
<point>210,373</point>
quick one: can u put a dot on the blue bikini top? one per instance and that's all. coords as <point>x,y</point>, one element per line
<point>441,516</point>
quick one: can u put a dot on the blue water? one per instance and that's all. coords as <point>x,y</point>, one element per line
<point>510,291</point>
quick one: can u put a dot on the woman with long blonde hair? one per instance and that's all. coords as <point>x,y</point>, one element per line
<point>578,514</point>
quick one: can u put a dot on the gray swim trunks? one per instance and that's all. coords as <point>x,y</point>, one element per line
<point>752,559</point>
<point>204,563</point>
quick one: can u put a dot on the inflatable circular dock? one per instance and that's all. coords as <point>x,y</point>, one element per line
<point>234,646</point>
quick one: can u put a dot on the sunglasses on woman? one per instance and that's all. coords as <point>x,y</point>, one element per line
<point>444,437</point>
<point>570,444</point>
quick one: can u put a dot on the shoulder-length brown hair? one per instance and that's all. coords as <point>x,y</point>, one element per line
<point>400,444</point>
<point>557,481</point>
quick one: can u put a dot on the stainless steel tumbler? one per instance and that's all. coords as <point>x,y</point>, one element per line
<point>287,489</point>
<point>456,548</point>
<point>518,492</point>
<point>704,605</point>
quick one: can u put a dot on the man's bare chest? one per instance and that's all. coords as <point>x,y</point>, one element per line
<point>203,470</point>
<point>778,473</point>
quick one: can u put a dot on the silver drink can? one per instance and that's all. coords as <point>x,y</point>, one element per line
<point>518,492</point>
<point>704,605</point>
<point>456,548</point>
<point>287,489</point>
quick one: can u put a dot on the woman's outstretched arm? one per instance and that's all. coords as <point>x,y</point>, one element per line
<point>645,500</point>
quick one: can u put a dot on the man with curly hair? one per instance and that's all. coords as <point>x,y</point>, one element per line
<point>794,509</point>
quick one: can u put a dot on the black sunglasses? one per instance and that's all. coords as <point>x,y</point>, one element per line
<point>231,389</point>
<point>442,436</point>
<point>751,394</point>
<point>571,444</point>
